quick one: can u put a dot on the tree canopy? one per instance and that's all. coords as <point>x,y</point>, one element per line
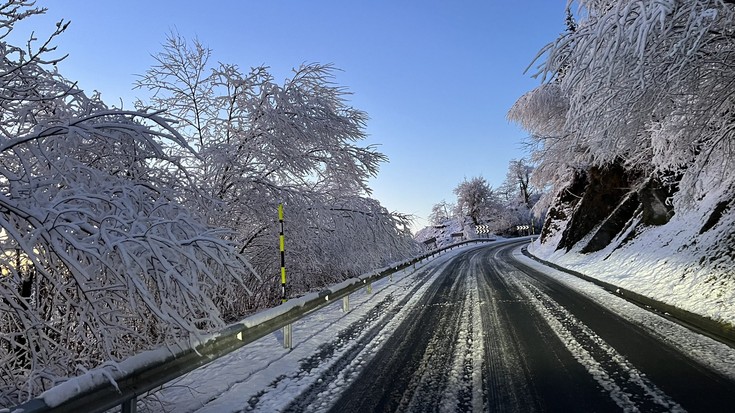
<point>124,230</point>
<point>644,84</point>
<point>259,143</point>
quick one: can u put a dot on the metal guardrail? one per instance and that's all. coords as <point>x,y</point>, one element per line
<point>722,332</point>
<point>139,381</point>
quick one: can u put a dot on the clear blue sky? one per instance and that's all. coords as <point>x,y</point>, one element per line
<point>436,77</point>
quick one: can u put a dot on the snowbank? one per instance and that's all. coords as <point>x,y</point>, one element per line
<point>672,263</point>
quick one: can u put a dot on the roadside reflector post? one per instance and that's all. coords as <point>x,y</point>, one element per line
<point>282,245</point>
<point>346,303</point>
<point>369,288</point>
<point>288,329</point>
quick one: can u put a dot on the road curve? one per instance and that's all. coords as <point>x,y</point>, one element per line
<point>491,334</point>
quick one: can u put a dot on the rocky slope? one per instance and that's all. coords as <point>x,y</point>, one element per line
<point>633,231</point>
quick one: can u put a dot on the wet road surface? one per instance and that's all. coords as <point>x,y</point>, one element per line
<point>491,334</point>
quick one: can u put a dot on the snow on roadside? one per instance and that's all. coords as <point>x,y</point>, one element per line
<point>608,366</point>
<point>718,356</point>
<point>663,263</point>
<point>268,376</point>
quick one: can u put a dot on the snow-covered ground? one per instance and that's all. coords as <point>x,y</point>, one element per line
<point>334,346</point>
<point>705,350</point>
<point>442,234</point>
<point>263,376</point>
<point>663,263</point>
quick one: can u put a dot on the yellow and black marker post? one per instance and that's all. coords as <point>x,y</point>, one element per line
<point>288,329</point>
<point>283,254</point>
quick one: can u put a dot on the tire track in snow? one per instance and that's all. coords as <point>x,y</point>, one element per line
<point>631,390</point>
<point>669,355</point>
<point>327,350</point>
<point>505,385</point>
<point>478,346</point>
<point>436,383</point>
<point>337,372</point>
<point>431,363</point>
<point>464,387</point>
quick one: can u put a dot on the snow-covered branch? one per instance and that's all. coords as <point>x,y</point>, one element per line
<point>644,84</point>
<point>99,257</point>
<point>260,143</point>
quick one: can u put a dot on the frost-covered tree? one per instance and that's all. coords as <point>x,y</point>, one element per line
<point>517,184</point>
<point>475,199</point>
<point>517,196</point>
<point>99,258</point>
<point>644,84</point>
<point>441,212</point>
<point>260,143</point>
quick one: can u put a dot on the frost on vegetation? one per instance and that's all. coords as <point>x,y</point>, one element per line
<point>99,257</point>
<point>647,87</point>
<point>541,111</point>
<point>648,83</point>
<point>129,230</point>
<point>260,143</point>
<point>645,84</point>
<point>483,211</point>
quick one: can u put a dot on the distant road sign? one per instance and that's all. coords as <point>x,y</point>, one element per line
<point>482,229</point>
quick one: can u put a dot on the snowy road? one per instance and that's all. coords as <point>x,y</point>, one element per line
<point>481,329</point>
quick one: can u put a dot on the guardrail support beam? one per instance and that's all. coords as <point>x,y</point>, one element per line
<point>129,406</point>
<point>288,336</point>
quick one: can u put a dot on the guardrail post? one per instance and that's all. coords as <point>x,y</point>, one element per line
<point>288,336</point>
<point>346,303</point>
<point>129,406</point>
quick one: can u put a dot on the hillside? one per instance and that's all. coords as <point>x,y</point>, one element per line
<point>631,132</point>
<point>449,231</point>
<point>682,255</point>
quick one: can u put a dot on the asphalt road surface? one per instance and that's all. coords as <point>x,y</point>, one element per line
<point>491,334</point>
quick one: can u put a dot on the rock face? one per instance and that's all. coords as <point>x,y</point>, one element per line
<point>563,207</point>
<point>653,196</point>
<point>606,188</point>
<point>715,216</point>
<point>615,224</point>
<point>603,204</point>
